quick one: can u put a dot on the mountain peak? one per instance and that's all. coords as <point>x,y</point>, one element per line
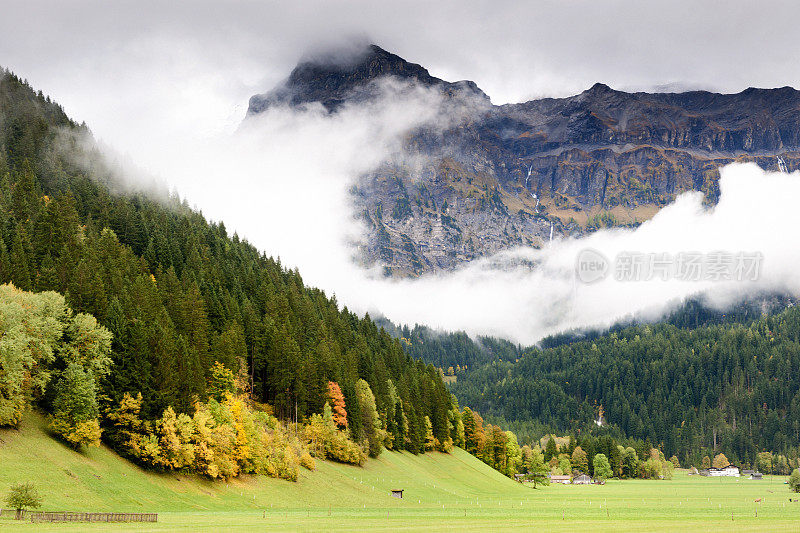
<point>599,88</point>
<point>333,77</point>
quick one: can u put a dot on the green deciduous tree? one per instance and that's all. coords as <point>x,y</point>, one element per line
<point>537,471</point>
<point>564,464</point>
<point>370,421</point>
<point>764,462</point>
<point>794,480</point>
<point>23,496</point>
<point>31,330</point>
<point>39,336</point>
<point>221,382</point>
<point>602,468</point>
<point>430,440</point>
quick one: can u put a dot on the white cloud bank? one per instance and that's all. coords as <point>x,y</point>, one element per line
<point>282,182</point>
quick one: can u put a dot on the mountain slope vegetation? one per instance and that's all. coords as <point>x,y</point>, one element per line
<point>182,297</point>
<point>693,392</point>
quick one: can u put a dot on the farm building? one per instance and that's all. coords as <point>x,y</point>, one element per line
<point>564,480</point>
<point>730,470</point>
<point>583,479</point>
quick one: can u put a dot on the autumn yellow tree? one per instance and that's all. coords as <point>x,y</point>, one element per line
<point>720,461</point>
<point>580,460</point>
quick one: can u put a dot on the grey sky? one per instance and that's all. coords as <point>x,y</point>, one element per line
<point>189,67</point>
<point>514,50</point>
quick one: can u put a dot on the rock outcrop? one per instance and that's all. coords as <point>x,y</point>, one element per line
<point>515,174</point>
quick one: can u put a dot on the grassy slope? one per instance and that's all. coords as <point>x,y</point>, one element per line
<point>442,491</point>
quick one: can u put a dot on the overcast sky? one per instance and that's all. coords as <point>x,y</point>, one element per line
<point>156,64</point>
<point>167,84</point>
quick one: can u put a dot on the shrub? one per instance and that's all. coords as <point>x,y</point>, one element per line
<point>23,496</point>
<point>306,461</point>
<point>325,441</point>
<point>794,480</point>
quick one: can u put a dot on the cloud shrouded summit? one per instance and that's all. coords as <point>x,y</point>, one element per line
<point>332,77</point>
<point>492,178</point>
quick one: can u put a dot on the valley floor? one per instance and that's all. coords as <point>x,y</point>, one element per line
<point>442,492</point>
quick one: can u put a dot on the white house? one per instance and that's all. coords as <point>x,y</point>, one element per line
<point>730,470</point>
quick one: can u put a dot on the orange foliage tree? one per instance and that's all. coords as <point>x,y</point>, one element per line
<point>337,401</point>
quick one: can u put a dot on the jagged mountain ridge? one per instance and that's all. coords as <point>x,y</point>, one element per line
<point>332,80</point>
<point>602,157</point>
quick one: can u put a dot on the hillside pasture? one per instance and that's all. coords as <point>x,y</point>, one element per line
<point>441,492</point>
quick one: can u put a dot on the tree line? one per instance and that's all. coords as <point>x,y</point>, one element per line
<point>729,379</point>
<point>600,457</point>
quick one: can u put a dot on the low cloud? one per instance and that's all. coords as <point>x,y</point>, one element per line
<point>167,86</point>
<point>283,182</point>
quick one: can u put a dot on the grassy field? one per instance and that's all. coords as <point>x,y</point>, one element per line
<point>441,492</point>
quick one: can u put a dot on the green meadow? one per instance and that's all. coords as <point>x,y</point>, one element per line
<point>454,491</point>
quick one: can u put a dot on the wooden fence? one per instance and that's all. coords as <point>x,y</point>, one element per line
<point>94,517</point>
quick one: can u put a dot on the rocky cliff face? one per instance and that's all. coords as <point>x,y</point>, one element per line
<point>510,175</point>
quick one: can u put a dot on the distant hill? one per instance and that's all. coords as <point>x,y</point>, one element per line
<point>692,391</point>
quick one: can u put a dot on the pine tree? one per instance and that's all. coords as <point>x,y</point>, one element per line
<point>550,450</point>
<point>401,425</point>
<point>18,262</point>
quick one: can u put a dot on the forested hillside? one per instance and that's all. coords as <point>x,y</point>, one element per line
<point>451,350</point>
<point>727,377</point>
<point>191,308</point>
<point>722,387</point>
